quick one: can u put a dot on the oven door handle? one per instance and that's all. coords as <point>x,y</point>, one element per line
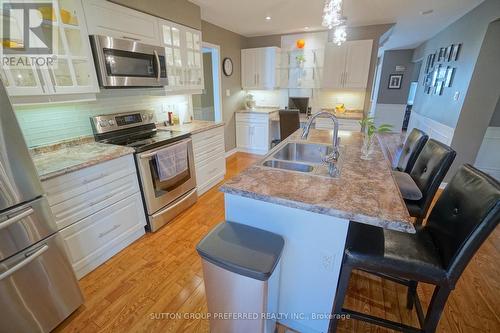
<point>158,69</point>
<point>147,156</point>
<point>153,154</point>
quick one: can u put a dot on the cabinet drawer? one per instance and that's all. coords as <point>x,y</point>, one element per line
<point>209,135</point>
<point>208,153</point>
<point>205,173</point>
<point>81,206</point>
<point>252,117</point>
<point>92,237</point>
<point>67,186</point>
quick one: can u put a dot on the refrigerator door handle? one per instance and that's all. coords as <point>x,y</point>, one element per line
<point>16,218</point>
<point>25,262</point>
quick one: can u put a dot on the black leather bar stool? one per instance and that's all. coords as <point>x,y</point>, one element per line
<point>289,123</point>
<point>429,170</point>
<point>411,149</point>
<point>466,213</point>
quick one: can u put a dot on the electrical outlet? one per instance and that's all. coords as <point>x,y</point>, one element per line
<point>327,261</point>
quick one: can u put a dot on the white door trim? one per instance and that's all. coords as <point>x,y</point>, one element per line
<point>216,77</point>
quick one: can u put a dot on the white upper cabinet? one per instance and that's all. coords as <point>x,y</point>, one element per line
<point>347,65</point>
<point>260,68</point>
<point>73,71</point>
<point>183,56</point>
<point>108,19</point>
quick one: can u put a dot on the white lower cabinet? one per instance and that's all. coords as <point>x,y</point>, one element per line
<point>253,132</point>
<point>98,211</point>
<point>98,237</point>
<point>209,158</point>
<point>344,124</point>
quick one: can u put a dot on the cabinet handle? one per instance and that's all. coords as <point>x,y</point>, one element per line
<point>16,218</point>
<point>93,203</point>
<point>102,234</point>
<point>90,180</point>
<point>131,38</point>
<point>29,258</point>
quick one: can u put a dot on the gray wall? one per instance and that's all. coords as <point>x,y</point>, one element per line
<point>390,61</point>
<point>470,31</point>
<point>180,11</point>
<point>495,120</point>
<point>207,98</point>
<point>230,44</point>
<point>480,102</point>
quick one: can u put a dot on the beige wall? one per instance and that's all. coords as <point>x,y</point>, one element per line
<point>207,98</point>
<point>180,11</point>
<point>230,45</point>
<point>354,33</point>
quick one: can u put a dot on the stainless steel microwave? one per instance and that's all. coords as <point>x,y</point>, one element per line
<point>123,63</point>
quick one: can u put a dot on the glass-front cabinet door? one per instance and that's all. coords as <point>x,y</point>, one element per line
<point>171,37</point>
<point>72,70</point>
<point>183,56</point>
<point>194,68</point>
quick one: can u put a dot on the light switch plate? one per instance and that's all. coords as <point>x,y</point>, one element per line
<point>228,92</point>
<point>456,96</point>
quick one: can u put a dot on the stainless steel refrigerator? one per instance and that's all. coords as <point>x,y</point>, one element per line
<point>38,288</point>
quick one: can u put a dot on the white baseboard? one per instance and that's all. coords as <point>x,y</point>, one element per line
<point>231,152</point>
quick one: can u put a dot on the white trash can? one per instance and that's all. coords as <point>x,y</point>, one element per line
<point>241,269</point>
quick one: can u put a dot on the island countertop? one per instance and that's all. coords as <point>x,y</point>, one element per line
<point>364,192</point>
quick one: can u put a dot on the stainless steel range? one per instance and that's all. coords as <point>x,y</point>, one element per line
<point>164,197</point>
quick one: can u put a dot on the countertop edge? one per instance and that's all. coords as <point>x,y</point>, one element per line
<point>359,218</point>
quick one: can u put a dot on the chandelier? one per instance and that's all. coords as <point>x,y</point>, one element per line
<point>332,18</point>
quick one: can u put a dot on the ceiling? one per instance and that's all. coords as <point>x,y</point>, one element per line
<point>248,17</point>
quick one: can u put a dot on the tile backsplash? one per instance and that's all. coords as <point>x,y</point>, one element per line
<point>353,99</point>
<point>50,123</point>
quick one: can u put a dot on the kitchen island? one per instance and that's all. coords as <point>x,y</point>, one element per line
<point>312,213</point>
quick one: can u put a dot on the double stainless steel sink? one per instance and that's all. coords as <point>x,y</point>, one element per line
<point>301,157</point>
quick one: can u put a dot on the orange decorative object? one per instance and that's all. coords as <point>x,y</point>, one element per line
<point>301,43</point>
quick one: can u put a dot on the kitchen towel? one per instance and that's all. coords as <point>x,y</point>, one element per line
<point>171,161</point>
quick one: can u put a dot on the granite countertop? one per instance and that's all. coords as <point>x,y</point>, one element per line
<point>196,126</point>
<point>365,192</point>
<point>260,110</point>
<point>72,155</point>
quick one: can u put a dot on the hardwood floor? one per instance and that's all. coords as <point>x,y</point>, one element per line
<point>161,273</point>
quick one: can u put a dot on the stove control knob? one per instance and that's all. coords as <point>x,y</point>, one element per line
<point>144,117</point>
<point>103,123</point>
<point>150,115</point>
<point>111,122</point>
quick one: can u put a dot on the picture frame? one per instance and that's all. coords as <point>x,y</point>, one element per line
<point>441,73</point>
<point>395,81</point>
<point>447,54</point>
<point>441,54</point>
<point>438,90</point>
<point>450,73</point>
<point>455,51</point>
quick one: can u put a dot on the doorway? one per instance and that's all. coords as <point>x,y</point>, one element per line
<point>208,104</point>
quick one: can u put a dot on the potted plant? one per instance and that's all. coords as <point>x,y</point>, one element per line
<point>300,59</point>
<point>369,131</point>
